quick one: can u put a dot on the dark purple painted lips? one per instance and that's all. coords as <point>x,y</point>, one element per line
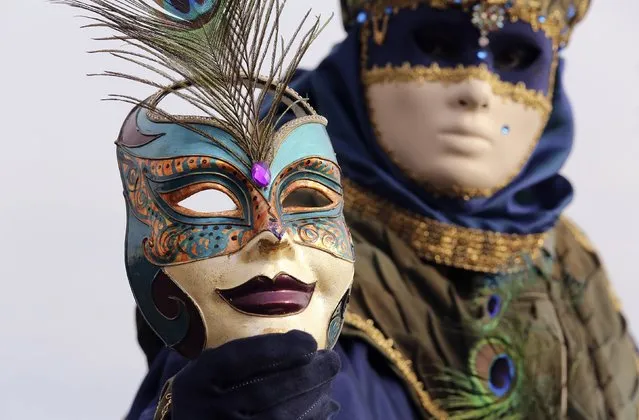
<point>282,295</point>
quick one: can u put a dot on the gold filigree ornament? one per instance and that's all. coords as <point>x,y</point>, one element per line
<point>556,18</point>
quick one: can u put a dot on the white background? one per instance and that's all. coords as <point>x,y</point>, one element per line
<point>68,348</point>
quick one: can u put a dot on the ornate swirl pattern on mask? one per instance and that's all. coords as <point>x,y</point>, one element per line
<point>172,241</point>
<point>169,241</point>
<point>318,166</point>
<point>330,235</point>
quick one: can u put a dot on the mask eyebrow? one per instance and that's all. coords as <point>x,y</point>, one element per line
<point>166,169</point>
<point>314,165</point>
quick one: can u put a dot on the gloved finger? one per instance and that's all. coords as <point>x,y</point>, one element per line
<point>239,360</point>
<point>260,393</point>
<point>314,405</point>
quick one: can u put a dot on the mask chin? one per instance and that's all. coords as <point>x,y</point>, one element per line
<point>459,131</point>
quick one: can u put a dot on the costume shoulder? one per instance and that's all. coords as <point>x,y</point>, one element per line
<point>607,378</point>
<point>556,326</point>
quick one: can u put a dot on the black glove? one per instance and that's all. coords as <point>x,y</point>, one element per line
<point>274,377</point>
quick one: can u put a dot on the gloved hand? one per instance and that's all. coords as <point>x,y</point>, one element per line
<point>274,377</point>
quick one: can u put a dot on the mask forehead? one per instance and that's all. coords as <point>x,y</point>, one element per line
<point>302,142</point>
<point>449,38</point>
<point>170,140</point>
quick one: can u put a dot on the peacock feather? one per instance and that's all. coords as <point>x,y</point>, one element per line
<point>210,53</point>
<point>513,368</point>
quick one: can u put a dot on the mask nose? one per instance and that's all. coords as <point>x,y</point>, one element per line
<point>472,95</point>
<point>269,222</point>
<point>274,226</point>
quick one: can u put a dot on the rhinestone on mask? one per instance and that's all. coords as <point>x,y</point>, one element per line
<point>488,18</point>
<point>261,174</point>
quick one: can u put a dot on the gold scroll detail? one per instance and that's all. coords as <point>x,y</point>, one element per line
<point>451,245</point>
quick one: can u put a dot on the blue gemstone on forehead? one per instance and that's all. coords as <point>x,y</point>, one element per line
<point>505,130</point>
<point>541,19</point>
<point>388,10</point>
<point>361,17</point>
<point>482,55</point>
<point>508,5</point>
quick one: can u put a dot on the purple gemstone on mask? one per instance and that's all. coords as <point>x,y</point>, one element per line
<point>261,174</point>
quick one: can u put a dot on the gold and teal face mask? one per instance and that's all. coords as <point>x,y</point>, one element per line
<point>235,225</point>
<point>269,251</point>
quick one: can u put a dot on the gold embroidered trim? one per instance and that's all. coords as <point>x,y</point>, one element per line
<point>164,407</point>
<point>386,346</point>
<point>556,18</point>
<point>455,246</point>
<point>434,73</point>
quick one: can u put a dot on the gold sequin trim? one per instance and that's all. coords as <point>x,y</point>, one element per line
<point>434,73</point>
<point>556,18</point>
<point>404,366</point>
<point>455,246</point>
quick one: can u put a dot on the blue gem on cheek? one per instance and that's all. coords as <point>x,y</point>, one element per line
<point>505,130</point>
<point>388,10</point>
<point>361,17</point>
<point>501,375</point>
<point>482,55</point>
<point>541,19</point>
<point>571,12</point>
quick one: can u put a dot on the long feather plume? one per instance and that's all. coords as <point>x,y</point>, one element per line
<point>214,52</point>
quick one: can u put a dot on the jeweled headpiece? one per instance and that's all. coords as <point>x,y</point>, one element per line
<point>556,18</point>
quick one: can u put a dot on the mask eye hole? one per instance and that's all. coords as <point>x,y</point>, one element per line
<point>308,196</point>
<point>203,200</point>
<point>440,44</point>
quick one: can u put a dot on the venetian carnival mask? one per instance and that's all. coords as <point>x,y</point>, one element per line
<point>234,228</point>
<point>459,92</point>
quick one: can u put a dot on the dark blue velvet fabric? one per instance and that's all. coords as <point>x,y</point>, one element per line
<point>532,203</point>
<point>413,34</point>
<point>365,388</point>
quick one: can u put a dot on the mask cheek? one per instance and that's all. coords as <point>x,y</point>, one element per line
<point>335,278</point>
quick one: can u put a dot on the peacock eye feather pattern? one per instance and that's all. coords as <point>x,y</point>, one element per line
<point>199,12</point>
<point>209,53</point>
<point>503,376</point>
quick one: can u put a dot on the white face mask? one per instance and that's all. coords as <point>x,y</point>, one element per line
<point>459,130</point>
